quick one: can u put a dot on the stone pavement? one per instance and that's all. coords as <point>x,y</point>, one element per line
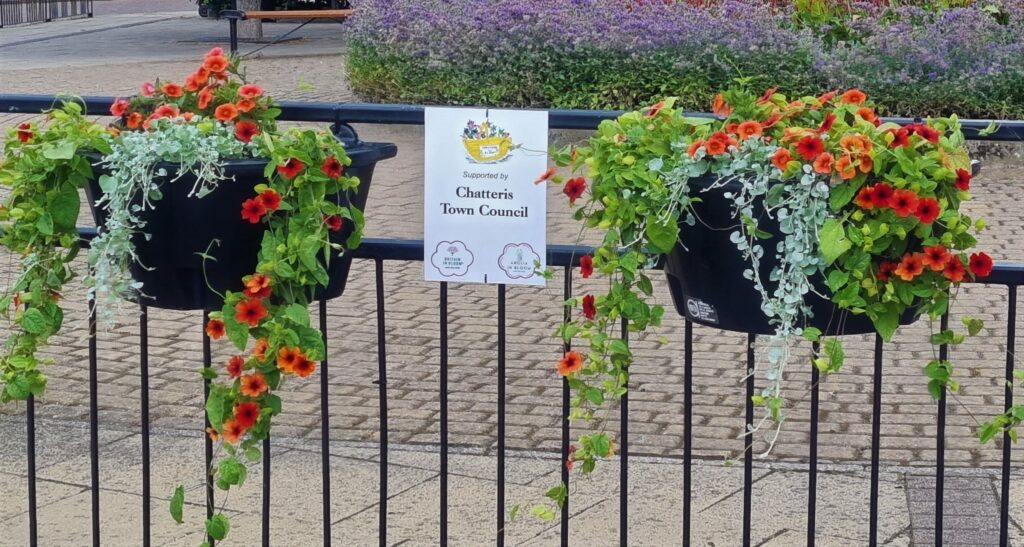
<point>655,497</point>
<point>127,49</point>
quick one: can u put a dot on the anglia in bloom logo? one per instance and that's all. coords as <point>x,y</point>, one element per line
<point>486,142</point>
<point>452,258</point>
<point>518,261</point>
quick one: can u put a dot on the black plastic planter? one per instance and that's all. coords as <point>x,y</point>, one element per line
<point>705,274</point>
<point>180,227</point>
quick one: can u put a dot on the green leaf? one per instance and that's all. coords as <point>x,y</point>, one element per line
<point>595,396</point>
<point>45,224</point>
<point>178,504</point>
<point>208,373</point>
<point>661,234</point>
<point>812,334</point>
<point>34,322</point>
<point>253,454</point>
<point>237,332</point>
<point>973,325</point>
<point>840,195</point>
<point>230,472</point>
<point>833,241</point>
<point>602,445</point>
<point>218,526</point>
<point>65,150</point>
<point>298,314</point>
<point>558,494</point>
<point>886,323</point>
<point>64,208</point>
<point>215,408</point>
<point>543,512</point>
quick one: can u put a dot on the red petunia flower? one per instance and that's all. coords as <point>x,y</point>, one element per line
<point>172,90</point>
<point>980,264</point>
<point>901,137</point>
<point>119,108</point>
<point>586,266</point>
<point>291,168</point>
<point>304,368</point>
<point>250,311</point>
<point>166,111</point>
<point>257,286</point>
<point>215,51</point>
<point>809,147</point>
<point>332,167</point>
<point>928,210</point>
<point>574,188</point>
<point>570,363</point>
<point>253,210</point>
<point>24,132</point>
<point>226,112</point>
<point>936,257</point>
<point>963,179</point>
<point>246,414</point>
<point>245,130</point>
<point>215,328</point>
<point>134,120</point>
<point>233,431</point>
<point>250,91</point>
<point>245,105</point>
<point>863,198</point>
<point>928,133</point>
<point>270,199</point>
<point>205,97</point>
<point>253,384</point>
<point>903,202</point>
<point>881,194</point>
<point>589,309</point>
<point>235,365</point>
<point>885,270</point>
<point>216,63</point>
<point>910,267</point>
<point>148,89</point>
<point>955,270</point>
<point>826,124</point>
<point>333,222</point>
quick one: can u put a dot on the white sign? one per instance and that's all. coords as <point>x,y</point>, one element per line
<point>484,218</point>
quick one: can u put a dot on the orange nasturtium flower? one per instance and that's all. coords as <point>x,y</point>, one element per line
<point>845,168</point>
<point>749,128</point>
<point>823,164</point>
<point>853,96</point>
<point>720,108</point>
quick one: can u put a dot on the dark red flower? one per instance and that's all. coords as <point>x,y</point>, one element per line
<point>25,132</point>
<point>963,179</point>
<point>574,188</point>
<point>928,210</point>
<point>885,270</point>
<point>586,266</point>
<point>235,365</point>
<point>270,199</point>
<point>980,264</point>
<point>589,309</point>
<point>215,328</point>
<point>250,311</point>
<point>864,199</point>
<point>928,133</point>
<point>333,222</point>
<point>881,194</point>
<point>246,414</point>
<point>809,147</point>
<point>245,130</point>
<point>904,202</point>
<point>291,168</point>
<point>332,167</point>
<point>653,111</point>
<point>253,210</point>
<point>826,124</point>
<point>901,137</point>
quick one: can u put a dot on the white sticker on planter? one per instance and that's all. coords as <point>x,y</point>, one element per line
<point>484,218</point>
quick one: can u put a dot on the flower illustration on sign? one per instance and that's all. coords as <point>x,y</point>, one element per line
<point>486,142</point>
<point>519,261</point>
<point>452,258</point>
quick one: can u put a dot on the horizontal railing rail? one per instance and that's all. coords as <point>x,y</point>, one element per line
<point>1008,274</point>
<point>407,114</point>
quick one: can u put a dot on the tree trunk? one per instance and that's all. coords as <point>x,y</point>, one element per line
<point>250,29</point>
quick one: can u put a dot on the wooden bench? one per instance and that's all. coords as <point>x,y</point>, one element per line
<point>306,16</point>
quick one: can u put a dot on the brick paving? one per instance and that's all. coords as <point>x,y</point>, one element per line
<point>313,69</point>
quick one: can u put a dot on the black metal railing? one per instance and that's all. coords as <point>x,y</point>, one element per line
<point>18,12</point>
<point>1008,275</point>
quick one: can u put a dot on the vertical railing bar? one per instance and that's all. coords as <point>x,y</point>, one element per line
<point>687,427</point>
<point>325,430</point>
<point>443,311</point>
<point>94,439</point>
<point>563,531</point>
<point>1011,335</point>
<point>30,448</point>
<point>876,433</point>
<point>748,443</point>
<point>501,418</point>
<point>207,441</point>
<point>812,466</point>
<point>624,454</point>
<point>144,410</point>
<point>940,442</point>
<point>382,395</point>
<point>266,492</point>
